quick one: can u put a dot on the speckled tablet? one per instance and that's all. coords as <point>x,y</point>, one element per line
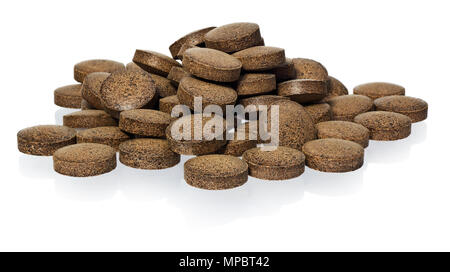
<point>211,94</point>
<point>144,122</point>
<point>147,153</point>
<point>211,64</point>
<point>376,90</point>
<point>111,136</point>
<point>303,90</point>
<point>320,112</point>
<point>191,39</point>
<point>44,140</point>
<point>346,107</point>
<point>254,84</point>
<point>233,37</point>
<point>384,125</point>
<point>127,90</point>
<point>285,71</point>
<point>90,90</point>
<point>333,155</point>
<point>296,126</point>
<point>88,119</point>
<point>277,164</point>
<point>164,87</point>
<point>215,172</point>
<point>261,58</point>
<point>309,69</point>
<point>84,160</point>
<point>82,69</point>
<point>335,88</point>
<point>166,104</point>
<point>154,62</point>
<point>344,130</point>
<point>68,96</point>
<point>131,66</point>
<point>414,108</point>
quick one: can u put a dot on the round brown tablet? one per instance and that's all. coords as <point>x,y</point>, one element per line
<point>154,62</point>
<point>251,84</point>
<point>127,90</point>
<point>285,71</point>
<point>343,130</point>
<point>261,58</point>
<point>211,94</point>
<point>233,37</point>
<point>414,108</point>
<point>166,104</point>
<point>84,160</point>
<point>240,143</point>
<point>86,106</point>
<point>385,125</point>
<point>44,140</point>
<point>376,90</point>
<point>147,153</point>
<point>68,96</point>
<point>303,90</point>
<point>88,119</point>
<point>144,122</point>
<point>111,136</point>
<point>335,88</point>
<point>274,164</point>
<point>164,87</point>
<point>211,64</point>
<point>215,172</point>
<point>309,69</point>
<point>191,39</point>
<point>319,112</point>
<point>176,74</point>
<point>333,155</point>
<point>82,69</point>
<point>90,90</point>
<point>185,134</point>
<point>131,66</point>
<point>296,126</point>
<point>346,107</point>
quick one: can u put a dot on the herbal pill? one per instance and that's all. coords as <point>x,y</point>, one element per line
<point>88,119</point>
<point>346,107</point>
<point>233,37</point>
<point>82,69</point>
<point>215,172</point>
<point>111,136</point>
<point>84,160</point>
<point>147,153</point>
<point>414,108</point>
<point>384,125</point>
<point>333,155</point>
<point>344,130</point>
<point>211,64</point>
<point>376,90</point>
<point>44,140</point>
<point>278,164</point>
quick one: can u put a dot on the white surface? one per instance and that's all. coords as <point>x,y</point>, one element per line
<point>399,200</point>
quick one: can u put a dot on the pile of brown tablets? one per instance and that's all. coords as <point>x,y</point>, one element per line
<point>128,109</point>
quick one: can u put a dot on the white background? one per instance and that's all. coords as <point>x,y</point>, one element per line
<point>399,200</point>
